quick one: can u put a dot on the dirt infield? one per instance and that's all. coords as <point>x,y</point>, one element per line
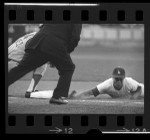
<point>93,65</point>
<point>103,104</point>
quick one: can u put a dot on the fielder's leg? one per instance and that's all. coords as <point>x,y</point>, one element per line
<point>65,68</point>
<point>30,61</point>
<point>37,75</point>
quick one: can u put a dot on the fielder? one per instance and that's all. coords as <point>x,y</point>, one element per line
<point>53,43</point>
<point>15,54</point>
<point>118,86</point>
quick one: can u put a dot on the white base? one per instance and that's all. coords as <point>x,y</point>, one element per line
<point>42,94</point>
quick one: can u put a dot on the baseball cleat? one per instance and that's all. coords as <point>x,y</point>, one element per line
<point>58,101</point>
<point>27,94</point>
<point>36,90</point>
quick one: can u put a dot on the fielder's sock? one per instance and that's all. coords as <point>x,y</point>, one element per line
<point>34,81</point>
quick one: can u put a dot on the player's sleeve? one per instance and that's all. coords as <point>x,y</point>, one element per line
<point>95,91</point>
<point>133,85</point>
<point>102,87</point>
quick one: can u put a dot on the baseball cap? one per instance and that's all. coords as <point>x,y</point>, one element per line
<point>118,72</point>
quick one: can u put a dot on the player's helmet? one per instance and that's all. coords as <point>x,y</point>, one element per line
<point>118,72</point>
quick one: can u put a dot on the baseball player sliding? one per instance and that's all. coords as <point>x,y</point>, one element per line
<point>15,54</point>
<point>118,86</point>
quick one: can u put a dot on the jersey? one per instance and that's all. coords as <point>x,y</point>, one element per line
<point>17,50</point>
<point>129,85</point>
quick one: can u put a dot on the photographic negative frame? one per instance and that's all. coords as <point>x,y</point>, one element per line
<point>63,123</point>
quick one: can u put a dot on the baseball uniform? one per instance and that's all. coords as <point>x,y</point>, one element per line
<point>129,85</point>
<point>17,50</point>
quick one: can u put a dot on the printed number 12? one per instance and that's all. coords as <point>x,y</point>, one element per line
<point>68,130</point>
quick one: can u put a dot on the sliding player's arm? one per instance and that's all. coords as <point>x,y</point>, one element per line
<point>80,95</point>
<point>102,88</point>
<point>99,89</point>
<point>135,94</point>
<point>94,92</point>
<point>91,92</point>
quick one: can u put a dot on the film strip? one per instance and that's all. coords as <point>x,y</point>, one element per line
<point>101,13</point>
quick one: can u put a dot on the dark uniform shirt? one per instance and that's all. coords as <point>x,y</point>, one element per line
<point>56,39</point>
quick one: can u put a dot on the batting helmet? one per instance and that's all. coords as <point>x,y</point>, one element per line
<point>118,72</point>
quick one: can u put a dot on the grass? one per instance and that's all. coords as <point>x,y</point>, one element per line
<point>93,65</point>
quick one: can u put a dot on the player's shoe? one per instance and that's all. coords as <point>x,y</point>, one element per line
<point>28,93</point>
<point>36,90</point>
<point>71,96</point>
<point>59,101</point>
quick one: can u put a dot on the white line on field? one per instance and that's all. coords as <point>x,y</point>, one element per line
<point>94,101</point>
<point>104,101</point>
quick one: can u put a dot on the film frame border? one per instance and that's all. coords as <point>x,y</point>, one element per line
<point>113,13</point>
